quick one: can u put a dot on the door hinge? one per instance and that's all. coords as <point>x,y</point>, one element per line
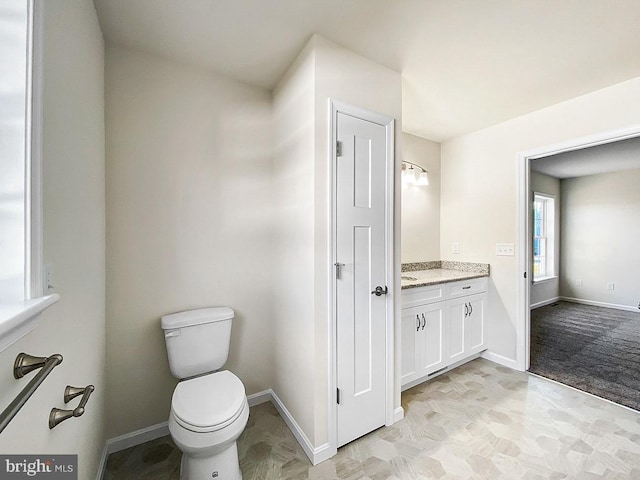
<point>338,148</point>
<point>339,270</point>
<point>338,396</point>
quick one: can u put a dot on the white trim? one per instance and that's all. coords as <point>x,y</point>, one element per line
<point>398,414</point>
<point>315,454</point>
<point>102,464</point>
<point>19,318</point>
<point>136,437</point>
<point>501,360</point>
<point>443,371</point>
<point>543,303</point>
<point>545,279</point>
<point>33,195</point>
<point>627,308</point>
<point>523,319</point>
<point>389,124</point>
<point>260,397</point>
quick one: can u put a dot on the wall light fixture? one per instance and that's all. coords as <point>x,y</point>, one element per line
<point>413,174</point>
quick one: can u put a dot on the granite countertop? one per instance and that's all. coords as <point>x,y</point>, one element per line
<point>433,273</point>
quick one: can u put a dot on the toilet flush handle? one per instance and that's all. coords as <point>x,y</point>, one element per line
<point>172,333</point>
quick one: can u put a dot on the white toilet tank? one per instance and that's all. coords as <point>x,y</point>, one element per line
<point>197,340</point>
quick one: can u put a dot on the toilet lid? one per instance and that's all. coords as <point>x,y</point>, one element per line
<point>208,403</point>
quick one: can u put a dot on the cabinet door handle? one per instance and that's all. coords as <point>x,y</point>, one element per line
<point>418,319</point>
<point>424,321</point>
<point>470,309</point>
<point>466,310</point>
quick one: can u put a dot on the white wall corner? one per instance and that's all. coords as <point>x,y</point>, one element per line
<point>502,360</point>
<point>315,454</point>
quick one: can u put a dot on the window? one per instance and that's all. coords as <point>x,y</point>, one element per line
<point>21,297</point>
<point>13,151</point>
<point>543,236</point>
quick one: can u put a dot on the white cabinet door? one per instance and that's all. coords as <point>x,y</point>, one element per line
<point>457,311</point>
<point>475,323</point>
<point>409,356</point>
<point>440,334</point>
<point>431,339</point>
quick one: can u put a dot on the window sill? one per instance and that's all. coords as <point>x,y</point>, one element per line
<point>19,318</point>
<point>544,279</point>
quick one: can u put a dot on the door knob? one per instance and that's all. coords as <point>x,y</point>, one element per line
<point>380,291</point>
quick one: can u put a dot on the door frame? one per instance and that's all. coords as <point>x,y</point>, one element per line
<point>523,318</point>
<point>388,123</point>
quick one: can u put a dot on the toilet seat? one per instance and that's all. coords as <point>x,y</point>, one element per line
<point>208,403</point>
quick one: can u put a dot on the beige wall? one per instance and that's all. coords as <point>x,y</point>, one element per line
<point>479,185</point>
<point>547,290</point>
<point>600,216</point>
<point>421,205</point>
<point>293,162</point>
<point>188,224</point>
<point>344,76</point>
<point>74,245</point>
<point>322,71</point>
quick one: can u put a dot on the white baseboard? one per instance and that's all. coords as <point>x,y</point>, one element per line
<point>136,438</point>
<point>626,308</point>
<point>260,397</point>
<point>131,439</point>
<point>398,414</point>
<point>544,302</point>
<point>501,360</point>
<point>315,454</point>
<point>103,463</point>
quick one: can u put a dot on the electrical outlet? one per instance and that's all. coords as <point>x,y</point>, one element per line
<point>611,286</point>
<point>578,283</point>
<point>455,247</point>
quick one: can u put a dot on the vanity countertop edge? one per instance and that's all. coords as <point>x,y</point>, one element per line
<point>423,274</point>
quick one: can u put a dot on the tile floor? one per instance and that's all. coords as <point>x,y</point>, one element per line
<point>480,421</point>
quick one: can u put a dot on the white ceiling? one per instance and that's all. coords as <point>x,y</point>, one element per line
<point>611,157</point>
<point>466,64</point>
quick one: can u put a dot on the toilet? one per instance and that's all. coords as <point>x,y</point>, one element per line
<point>209,408</point>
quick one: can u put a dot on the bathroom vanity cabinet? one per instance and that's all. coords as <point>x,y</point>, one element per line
<point>442,325</point>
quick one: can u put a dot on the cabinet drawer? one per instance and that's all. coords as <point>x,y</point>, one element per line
<point>422,295</point>
<point>466,287</point>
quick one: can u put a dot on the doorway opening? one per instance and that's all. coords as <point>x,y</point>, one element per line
<point>579,272</point>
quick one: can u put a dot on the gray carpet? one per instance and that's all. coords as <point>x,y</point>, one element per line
<point>594,349</point>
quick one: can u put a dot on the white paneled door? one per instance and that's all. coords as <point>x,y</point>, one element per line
<point>361,255</point>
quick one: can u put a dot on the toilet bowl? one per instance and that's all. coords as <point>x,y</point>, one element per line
<point>208,414</point>
<point>209,408</point>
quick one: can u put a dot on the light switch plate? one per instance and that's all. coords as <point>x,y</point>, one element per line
<point>455,247</point>
<point>505,249</point>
